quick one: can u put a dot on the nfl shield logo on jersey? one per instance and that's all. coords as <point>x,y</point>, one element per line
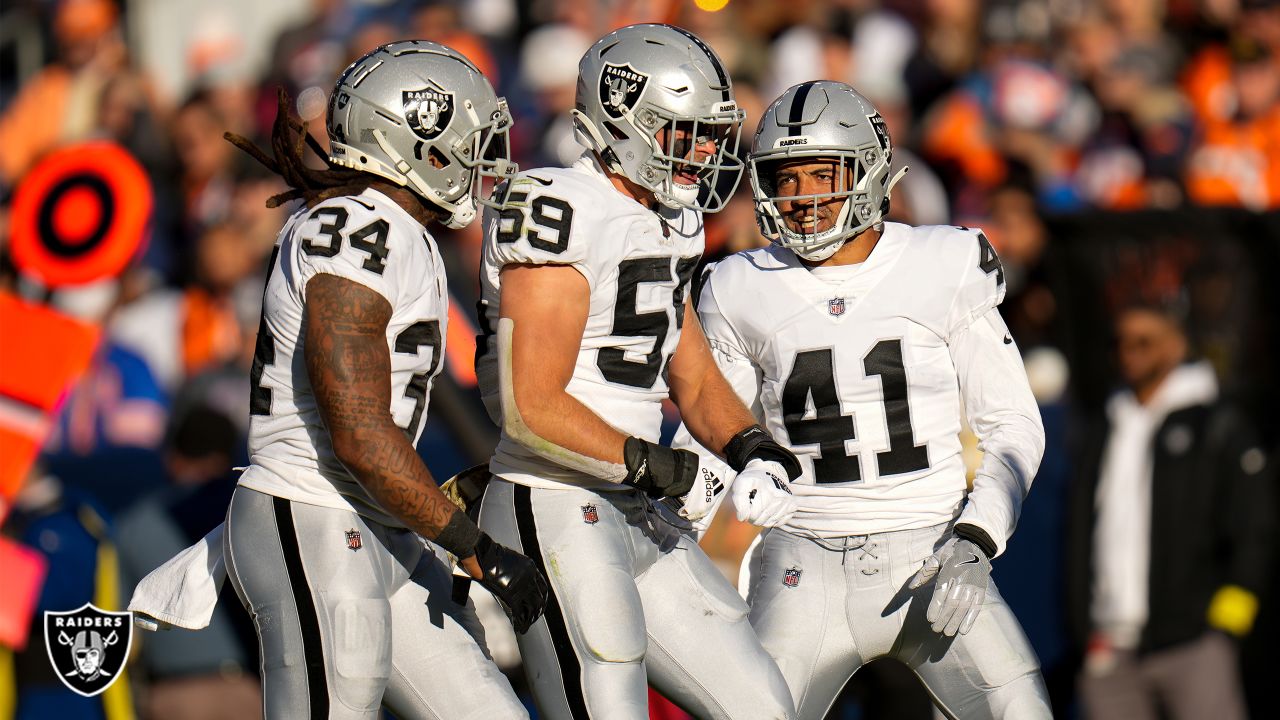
<point>835,306</point>
<point>429,110</point>
<point>353,539</point>
<point>589,514</point>
<point>791,576</point>
<point>87,646</point>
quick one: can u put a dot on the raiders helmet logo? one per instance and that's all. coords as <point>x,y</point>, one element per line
<point>620,88</point>
<point>87,646</point>
<point>428,111</point>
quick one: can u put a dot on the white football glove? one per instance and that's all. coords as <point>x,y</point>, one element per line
<point>962,571</point>
<point>702,496</point>
<point>762,494</point>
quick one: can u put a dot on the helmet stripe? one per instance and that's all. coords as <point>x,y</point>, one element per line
<point>715,60</point>
<point>797,108</point>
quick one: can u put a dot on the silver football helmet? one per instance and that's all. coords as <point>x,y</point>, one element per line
<point>643,79</point>
<point>422,116</point>
<point>823,120</point>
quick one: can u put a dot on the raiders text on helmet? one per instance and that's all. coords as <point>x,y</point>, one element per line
<point>423,116</point>
<point>830,121</point>
<point>642,78</point>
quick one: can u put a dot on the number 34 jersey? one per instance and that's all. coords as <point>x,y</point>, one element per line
<point>853,369</point>
<point>366,239</point>
<point>638,264</point>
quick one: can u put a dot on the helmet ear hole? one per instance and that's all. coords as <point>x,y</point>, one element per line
<point>615,131</point>
<point>438,159</point>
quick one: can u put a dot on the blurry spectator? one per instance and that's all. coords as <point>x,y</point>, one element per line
<point>191,675</point>
<point>920,197</point>
<point>441,21</point>
<point>60,104</point>
<point>305,55</point>
<point>1170,535</point>
<point>549,69</point>
<point>1018,107</point>
<point>118,403</point>
<point>1135,158</point>
<point>947,51</point>
<point>207,182</point>
<point>183,332</point>
<point>1237,162</point>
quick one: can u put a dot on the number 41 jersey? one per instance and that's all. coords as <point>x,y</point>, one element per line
<point>638,265</point>
<point>370,240</point>
<point>853,370</point>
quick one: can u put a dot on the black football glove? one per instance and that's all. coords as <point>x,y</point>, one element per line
<point>514,580</point>
<point>659,470</point>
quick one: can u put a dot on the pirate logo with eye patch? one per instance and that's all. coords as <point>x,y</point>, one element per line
<point>88,646</point>
<point>428,111</point>
<point>620,88</point>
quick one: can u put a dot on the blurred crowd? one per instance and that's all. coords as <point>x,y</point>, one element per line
<point>1010,113</point>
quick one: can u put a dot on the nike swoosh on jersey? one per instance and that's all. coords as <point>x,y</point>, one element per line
<point>972,560</point>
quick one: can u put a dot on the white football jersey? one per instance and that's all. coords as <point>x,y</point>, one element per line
<point>370,240</point>
<point>638,264</point>
<point>856,376</point>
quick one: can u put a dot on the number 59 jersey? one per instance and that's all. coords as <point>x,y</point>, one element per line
<point>637,264</point>
<point>853,371</point>
<point>366,239</point>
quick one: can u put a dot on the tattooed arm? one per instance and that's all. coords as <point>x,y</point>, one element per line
<point>349,365</point>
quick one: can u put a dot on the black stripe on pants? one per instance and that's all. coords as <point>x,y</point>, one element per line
<point>308,621</point>
<point>570,668</point>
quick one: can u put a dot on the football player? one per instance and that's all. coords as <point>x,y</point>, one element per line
<point>322,541</point>
<point>585,298</point>
<point>858,342</point>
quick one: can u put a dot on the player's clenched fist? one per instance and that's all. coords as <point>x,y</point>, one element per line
<point>514,580</point>
<point>762,495</point>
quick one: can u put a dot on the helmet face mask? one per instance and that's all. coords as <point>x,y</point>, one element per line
<point>821,122</point>
<point>421,115</point>
<point>655,103</point>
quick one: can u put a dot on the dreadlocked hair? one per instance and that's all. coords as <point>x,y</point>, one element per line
<point>289,137</point>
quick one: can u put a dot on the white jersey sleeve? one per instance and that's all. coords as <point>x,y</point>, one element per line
<point>980,286</point>
<point>349,238</point>
<point>1003,414</point>
<point>545,222</point>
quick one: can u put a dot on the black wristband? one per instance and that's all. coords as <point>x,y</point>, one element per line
<point>755,443</point>
<point>459,536</point>
<point>658,470</point>
<point>977,536</point>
